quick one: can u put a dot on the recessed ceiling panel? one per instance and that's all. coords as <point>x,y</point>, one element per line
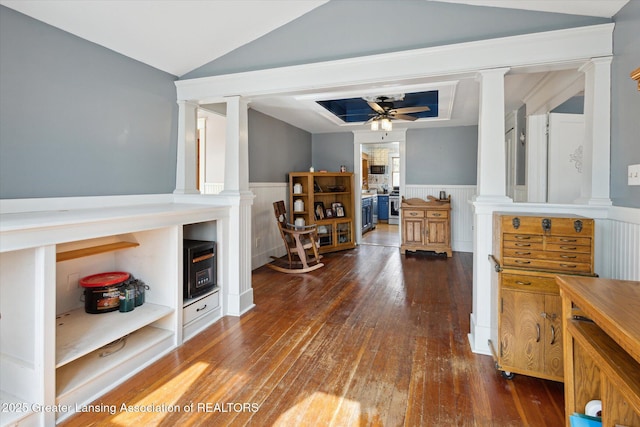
<point>357,110</point>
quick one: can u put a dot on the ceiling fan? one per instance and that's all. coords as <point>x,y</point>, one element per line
<point>385,112</point>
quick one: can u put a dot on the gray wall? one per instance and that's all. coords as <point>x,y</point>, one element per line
<point>442,156</point>
<point>77,119</point>
<point>350,28</point>
<point>434,156</point>
<point>276,148</point>
<point>331,150</point>
<point>574,105</point>
<point>625,100</point>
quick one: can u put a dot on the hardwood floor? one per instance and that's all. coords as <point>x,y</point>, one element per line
<point>373,338</point>
<point>384,235</point>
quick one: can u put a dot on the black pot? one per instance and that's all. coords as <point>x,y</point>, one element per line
<point>102,291</point>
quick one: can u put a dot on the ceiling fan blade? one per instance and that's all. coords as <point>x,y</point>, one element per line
<point>375,107</point>
<point>409,110</point>
<point>404,117</point>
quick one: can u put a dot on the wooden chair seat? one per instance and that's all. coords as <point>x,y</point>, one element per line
<point>302,244</point>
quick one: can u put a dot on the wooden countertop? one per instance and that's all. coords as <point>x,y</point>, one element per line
<point>431,203</point>
<point>612,304</point>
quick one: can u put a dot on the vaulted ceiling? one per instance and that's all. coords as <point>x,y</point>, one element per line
<point>178,36</point>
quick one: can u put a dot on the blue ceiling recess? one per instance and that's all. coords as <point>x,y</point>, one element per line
<point>354,110</point>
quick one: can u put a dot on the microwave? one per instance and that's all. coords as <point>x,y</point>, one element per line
<point>377,169</point>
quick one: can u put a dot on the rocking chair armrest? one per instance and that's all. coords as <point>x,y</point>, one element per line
<point>310,229</point>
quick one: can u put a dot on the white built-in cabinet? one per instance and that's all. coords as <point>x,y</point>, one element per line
<point>55,357</point>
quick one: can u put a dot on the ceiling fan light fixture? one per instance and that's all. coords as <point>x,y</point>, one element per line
<point>375,125</point>
<point>385,124</point>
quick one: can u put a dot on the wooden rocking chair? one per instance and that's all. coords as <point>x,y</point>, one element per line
<point>302,245</point>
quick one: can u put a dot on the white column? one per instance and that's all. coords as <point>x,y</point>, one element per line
<point>236,172</point>
<point>597,143</point>
<point>491,191</point>
<point>186,162</point>
<point>491,181</point>
<point>45,330</point>
<point>236,189</point>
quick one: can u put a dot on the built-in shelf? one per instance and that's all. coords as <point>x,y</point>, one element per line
<point>93,250</point>
<point>89,353</point>
<point>104,360</point>
<point>79,333</point>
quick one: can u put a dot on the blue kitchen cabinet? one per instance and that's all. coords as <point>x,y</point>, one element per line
<point>383,207</point>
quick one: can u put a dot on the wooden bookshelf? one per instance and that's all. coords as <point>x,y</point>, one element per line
<point>325,189</point>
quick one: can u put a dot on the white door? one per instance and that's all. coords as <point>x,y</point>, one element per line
<point>564,164</point>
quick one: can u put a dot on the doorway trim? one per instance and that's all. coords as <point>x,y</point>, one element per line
<point>361,137</point>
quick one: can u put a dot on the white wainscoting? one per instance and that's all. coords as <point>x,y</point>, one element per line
<point>265,237</point>
<point>461,210</point>
<point>622,248</point>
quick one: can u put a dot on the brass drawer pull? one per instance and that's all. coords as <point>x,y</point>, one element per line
<point>569,256</point>
<point>519,261</point>
<point>568,240</point>
<point>520,282</point>
<point>413,213</point>
<point>523,245</point>
<point>553,335</point>
<point>435,214</point>
<point>568,248</point>
<point>538,329</point>
<point>568,265</point>
<point>523,253</point>
<point>523,237</point>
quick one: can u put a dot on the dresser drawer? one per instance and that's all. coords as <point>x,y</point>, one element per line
<point>557,256</point>
<point>519,237</point>
<point>548,265</point>
<point>545,284</point>
<point>568,227</point>
<point>200,307</point>
<point>569,240</point>
<point>408,213</point>
<point>567,248</point>
<point>559,226</point>
<point>437,214</point>
<point>523,245</point>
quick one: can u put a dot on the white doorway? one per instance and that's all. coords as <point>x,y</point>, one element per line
<point>363,138</point>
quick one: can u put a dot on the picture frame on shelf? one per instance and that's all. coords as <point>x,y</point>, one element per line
<point>338,208</point>
<point>328,213</point>
<point>316,187</point>
<point>318,207</point>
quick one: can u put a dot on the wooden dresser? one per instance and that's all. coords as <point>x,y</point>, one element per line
<point>602,354</point>
<point>426,225</point>
<point>529,251</point>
